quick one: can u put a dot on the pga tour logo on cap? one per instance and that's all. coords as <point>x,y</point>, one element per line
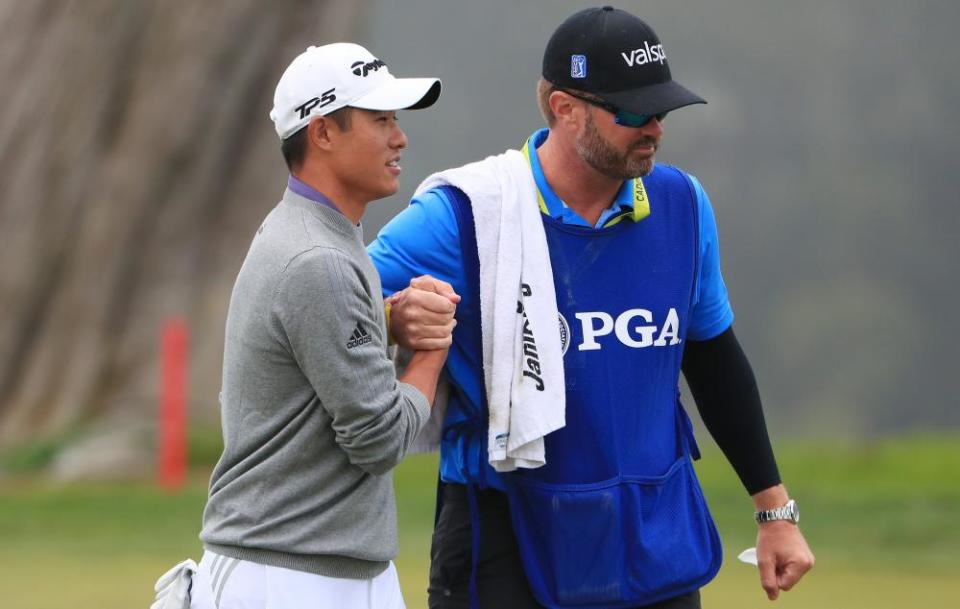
<point>578,66</point>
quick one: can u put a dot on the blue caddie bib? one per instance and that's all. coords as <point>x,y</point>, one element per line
<point>616,517</point>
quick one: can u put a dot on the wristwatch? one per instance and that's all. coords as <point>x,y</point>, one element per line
<point>789,512</point>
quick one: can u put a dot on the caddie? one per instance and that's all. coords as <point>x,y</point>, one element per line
<point>566,457</point>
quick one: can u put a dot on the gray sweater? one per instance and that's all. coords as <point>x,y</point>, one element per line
<point>313,415</point>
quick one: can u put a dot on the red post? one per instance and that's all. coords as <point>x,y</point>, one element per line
<point>172,440</point>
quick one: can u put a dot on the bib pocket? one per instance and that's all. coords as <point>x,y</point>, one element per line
<point>677,544</point>
<point>622,542</point>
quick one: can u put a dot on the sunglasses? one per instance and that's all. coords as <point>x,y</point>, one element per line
<point>624,118</point>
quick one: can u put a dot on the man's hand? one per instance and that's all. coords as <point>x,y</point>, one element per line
<point>783,556</point>
<point>421,316</point>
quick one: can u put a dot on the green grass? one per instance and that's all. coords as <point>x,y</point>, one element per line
<point>888,504</point>
<point>881,518</point>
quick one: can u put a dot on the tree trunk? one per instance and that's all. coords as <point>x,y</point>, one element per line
<point>136,160</point>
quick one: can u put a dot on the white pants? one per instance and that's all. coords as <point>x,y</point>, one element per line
<point>228,583</point>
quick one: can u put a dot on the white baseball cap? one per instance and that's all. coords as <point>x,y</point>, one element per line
<point>327,78</point>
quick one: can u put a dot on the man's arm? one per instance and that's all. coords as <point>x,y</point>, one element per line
<point>423,370</point>
<point>725,390</point>
<point>422,320</point>
<point>330,323</point>
<point>417,255</point>
<point>421,315</point>
<point>783,555</point>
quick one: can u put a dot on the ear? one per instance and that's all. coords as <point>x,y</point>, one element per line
<point>318,133</point>
<point>564,109</point>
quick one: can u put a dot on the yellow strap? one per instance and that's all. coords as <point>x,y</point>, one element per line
<point>641,202</point>
<point>543,204</point>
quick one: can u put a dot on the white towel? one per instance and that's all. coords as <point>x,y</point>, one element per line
<point>522,359</point>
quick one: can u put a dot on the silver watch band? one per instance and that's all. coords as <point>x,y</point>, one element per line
<point>789,512</point>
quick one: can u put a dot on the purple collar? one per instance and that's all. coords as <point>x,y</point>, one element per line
<point>308,192</point>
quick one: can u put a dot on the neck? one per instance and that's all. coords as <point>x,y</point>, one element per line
<point>585,190</point>
<point>346,202</point>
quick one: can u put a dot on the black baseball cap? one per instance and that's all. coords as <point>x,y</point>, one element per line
<point>617,57</point>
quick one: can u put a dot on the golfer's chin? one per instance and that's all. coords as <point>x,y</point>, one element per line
<point>388,189</point>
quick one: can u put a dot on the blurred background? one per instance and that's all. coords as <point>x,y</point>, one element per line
<point>137,159</point>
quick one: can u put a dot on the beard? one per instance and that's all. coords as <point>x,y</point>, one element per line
<point>603,156</point>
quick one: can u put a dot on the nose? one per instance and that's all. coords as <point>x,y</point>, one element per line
<point>654,127</point>
<point>398,140</point>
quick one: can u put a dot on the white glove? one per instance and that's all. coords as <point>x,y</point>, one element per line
<point>748,556</point>
<point>173,587</point>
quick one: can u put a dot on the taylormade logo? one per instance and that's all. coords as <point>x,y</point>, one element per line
<point>362,69</point>
<point>647,54</point>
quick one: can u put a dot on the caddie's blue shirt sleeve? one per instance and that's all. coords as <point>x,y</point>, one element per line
<point>712,313</point>
<point>423,239</point>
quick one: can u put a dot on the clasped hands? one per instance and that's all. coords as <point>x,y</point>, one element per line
<point>421,315</point>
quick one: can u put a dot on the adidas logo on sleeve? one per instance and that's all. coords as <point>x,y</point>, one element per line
<point>359,337</point>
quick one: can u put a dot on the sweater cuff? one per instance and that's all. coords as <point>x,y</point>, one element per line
<point>419,402</point>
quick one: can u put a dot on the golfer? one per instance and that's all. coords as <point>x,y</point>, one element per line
<point>301,510</point>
